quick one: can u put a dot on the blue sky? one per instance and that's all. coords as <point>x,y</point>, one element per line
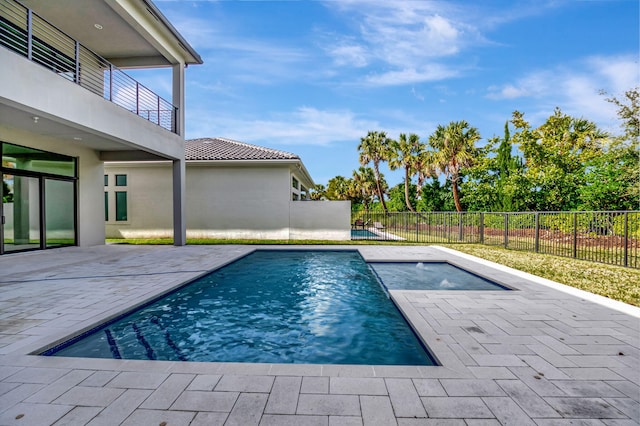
<point>312,77</point>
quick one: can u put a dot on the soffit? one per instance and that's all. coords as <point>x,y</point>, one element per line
<point>118,41</point>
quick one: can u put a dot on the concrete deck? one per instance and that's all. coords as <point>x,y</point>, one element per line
<point>541,355</point>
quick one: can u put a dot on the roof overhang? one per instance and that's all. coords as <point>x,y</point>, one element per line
<point>294,165</point>
<point>127,33</point>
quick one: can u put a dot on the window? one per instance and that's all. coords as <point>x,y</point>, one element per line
<point>294,182</point>
<point>121,206</point>
<point>34,160</point>
<point>295,197</point>
<point>115,198</point>
<point>121,180</point>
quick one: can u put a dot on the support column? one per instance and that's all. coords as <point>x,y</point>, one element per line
<point>179,221</point>
<point>178,97</point>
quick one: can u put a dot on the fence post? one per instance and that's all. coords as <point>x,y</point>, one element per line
<point>460,235</point>
<point>626,238</point>
<point>417,224</point>
<point>575,235</point>
<point>481,230</point>
<point>537,232</point>
<point>506,230</point>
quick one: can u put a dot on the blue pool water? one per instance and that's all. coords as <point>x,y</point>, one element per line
<point>271,307</point>
<point>430,276</point>
<point>362,233</point>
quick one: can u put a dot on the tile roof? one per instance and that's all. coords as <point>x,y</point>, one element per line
<point>227,149</point>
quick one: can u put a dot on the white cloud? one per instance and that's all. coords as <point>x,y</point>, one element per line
<point>576,87</point>
<point>416,94</point>
<point>349,54</point>
<point>433,72</point>
<point>402,42</point>
<point>304,126</point>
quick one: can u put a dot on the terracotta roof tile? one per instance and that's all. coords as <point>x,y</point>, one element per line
<point>227,149</point>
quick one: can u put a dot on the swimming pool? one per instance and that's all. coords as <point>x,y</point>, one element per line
<point>361,234</point>
<point>316,307</point>
<point>430,276</point>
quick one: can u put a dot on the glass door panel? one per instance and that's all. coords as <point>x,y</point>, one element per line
<point>21,211</point>
<point>59,213</point>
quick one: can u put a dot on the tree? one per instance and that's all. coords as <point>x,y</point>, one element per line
<point>454,147</point>
<point>317,192</point>
<point>425,169</point>
<point>508,167</point>
<point>436,198</point>
<point>374,148</point>
<point>338,188</point>
<point>556,157</point>
<point>629,113</point>
<point>612,178</point>
<point>480,188</point>
<point>397,197</point>
<point>364,183</point>
<point>405,154</point>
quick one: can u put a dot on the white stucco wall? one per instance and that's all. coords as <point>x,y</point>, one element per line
<point>238,202</point>
<point>320,220</point>
<point>90,173</point>
<point>223,202</point>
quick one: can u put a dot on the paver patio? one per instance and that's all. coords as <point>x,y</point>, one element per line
<point>544,354</point>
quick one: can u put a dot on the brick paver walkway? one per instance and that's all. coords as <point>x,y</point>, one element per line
<point>541,355</point>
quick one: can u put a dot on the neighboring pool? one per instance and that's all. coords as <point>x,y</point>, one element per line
<point>430,276</point>
<point>362,233</point>
<point>316,307</point>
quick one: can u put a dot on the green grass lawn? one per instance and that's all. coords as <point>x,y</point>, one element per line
<point>614,282</point>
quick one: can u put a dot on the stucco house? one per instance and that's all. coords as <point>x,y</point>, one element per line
<point>66,106</point>
<point>233,190</point>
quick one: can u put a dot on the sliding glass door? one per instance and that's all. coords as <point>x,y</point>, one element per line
<point>59,202</point>
<point>20,212</point>
<point>38,199</point>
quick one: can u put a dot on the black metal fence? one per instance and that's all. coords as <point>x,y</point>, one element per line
<point>611,237</point>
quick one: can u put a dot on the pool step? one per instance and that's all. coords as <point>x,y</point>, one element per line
<point>151,354</point>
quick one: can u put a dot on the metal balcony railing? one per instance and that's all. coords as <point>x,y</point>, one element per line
<point>24,32</point>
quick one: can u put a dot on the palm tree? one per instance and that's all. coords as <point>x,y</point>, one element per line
<point>404,153</point>
<point>374,148</point>
<point>338,188</point>
<point>454,147</point>
<point>425,168</point>
<point>317,192</point>
<point>365,185</point>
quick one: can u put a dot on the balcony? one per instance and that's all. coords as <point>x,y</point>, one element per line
<point>25,33</point>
